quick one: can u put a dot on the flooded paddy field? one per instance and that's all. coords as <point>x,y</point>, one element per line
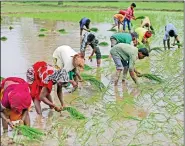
<point>150,114</point>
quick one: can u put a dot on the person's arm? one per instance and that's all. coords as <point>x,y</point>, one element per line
<point>133,76</point>
<point>86,29</point>
<point>43,94</point>
<point>60,94</point>
<point>137,73</point>
<point>4,117</point>
<point>164,39</point>
<point>90,57</point>
<point>168,43</point>
<point>131,68</point>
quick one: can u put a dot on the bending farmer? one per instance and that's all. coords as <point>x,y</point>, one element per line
<point>15,101</point>
<point>65,57</point>
<point>170,31</point>
<point>124,56</point>
<point>90,39</point>
<point>41,77</point>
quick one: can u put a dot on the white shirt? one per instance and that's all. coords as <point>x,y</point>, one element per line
<point>168,28</point>
<point>64,55</point>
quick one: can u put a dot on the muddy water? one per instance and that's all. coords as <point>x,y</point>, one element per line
<point>24,47</point>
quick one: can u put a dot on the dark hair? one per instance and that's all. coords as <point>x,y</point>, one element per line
<point>90,37</point>
<point>144,51</point>
<point>134,35</point>
<point>171,33</point>
<point>87,23</point>
<point>133,4</point>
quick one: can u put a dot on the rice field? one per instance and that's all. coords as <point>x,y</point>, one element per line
<point>148,114</point>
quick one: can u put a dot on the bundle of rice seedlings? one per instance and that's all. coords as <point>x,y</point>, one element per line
<point>74,113</point>
<point>158,49</point>
<point>41,35</point>
<point>93,81</point>
<point>43,29</point>
<point>140,17</point>
<point>152,77</point>
<point>103,44</point>
<point>94,29</point>
<point>29,132</point>
<point>10,27</point>
<point>112,29</point>
<point>178,44</point>
<point>87,67</point>
<point>62,30</point>
<point>3,38</point>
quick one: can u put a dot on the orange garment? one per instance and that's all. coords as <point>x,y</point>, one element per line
<point>120,17</point>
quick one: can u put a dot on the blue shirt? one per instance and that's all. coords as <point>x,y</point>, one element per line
<point>167,29</point>
<point>83,22</point>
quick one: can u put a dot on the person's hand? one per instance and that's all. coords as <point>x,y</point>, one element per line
<point>21,122</point>
<point>74,84</point>
<point>134,18</point>
<point>138,74</point>
<point>10,123</point>
<point>90,58</point>
<point>89,30</point>
<point>58,109</point>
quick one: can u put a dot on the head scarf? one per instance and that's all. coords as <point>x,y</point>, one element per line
<point>57,76</point>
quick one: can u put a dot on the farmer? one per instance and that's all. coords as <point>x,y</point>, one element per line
<point>170,31</point>
<point>15,101</point>
<point>143,35</point>
<point>124,56</point>
<point>41,76</point>
<point>129,16</point>
<point>84,22</point>
<point>118,19</point>
<point>90,39</point>
<point>123,38</point>
<point>145,23</point>
<point>65,57</point>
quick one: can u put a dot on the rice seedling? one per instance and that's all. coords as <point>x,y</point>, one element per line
<point>178,44</point>
<point>157,49</point>
<point>10,27</point>
<point>93,81</point>
<point>94,29</point>
<point>140,17</point>
<point>102,56</point>
<point>43,29</point>
<point>29,132</point>
<point>3,38</point>
<point>1,78</point>
<point>112,29</point>
<point>62,31</point>
<point>74,113</point>
<point>41,35</point>
<point>103,44</point>
<point>87,67</point>
<point>152,77</point>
